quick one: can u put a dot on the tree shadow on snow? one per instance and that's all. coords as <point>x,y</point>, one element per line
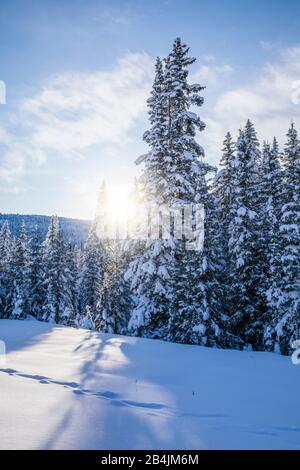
<point>28,333</point>
<point>143,419</point>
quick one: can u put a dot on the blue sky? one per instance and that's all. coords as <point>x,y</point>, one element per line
<point>78,74</point>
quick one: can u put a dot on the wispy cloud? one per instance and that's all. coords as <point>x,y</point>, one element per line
<point>212,72</point>
<point>267,101</point>
<point>11,161</point>
<point>75,111</point>
<point>268,46</point>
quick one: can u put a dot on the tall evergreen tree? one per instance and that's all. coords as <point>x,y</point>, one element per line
<point>223,184</point>
<point>94,262</point>
<point>72,267</point>
<point>196,300</point>
<point>58,281</point>
<point>95,258</point>
<point>223,190</point>
<point>271,189</point>
<point>114,297</point>
<point>287,292</point>
<point>150,278</point>
<point>21,277</point>
<point>197,303</point>
<point>36,274</point>
<point>182,124</point>
<point>245,241</point>
<point>173,176</point>
<point>5,271</point>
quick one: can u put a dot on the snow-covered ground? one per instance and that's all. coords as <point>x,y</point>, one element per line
<point>63,388</point>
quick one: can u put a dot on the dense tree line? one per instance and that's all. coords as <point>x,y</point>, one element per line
<point>241,289</point>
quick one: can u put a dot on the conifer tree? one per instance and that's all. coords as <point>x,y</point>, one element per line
<point>36,274</point>
<point>287,292</point>
<point>149,273</point>
<point>94,262</point>
<point>196,312</point>
<point>5,271</point>
<point>223,184</point>
<point>58,307</point>
<point>114,297</point>
<point>95,258</point>
<point>271,189</point>
<point>20,276</point>
<point>172,176</point>
<point>191,320</point>
<point>245,241</point>
<point>72,269</point>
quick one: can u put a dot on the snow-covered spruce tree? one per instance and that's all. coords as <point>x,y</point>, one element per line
<point>287,293</point>
<point>223,183</point>
<point>172,176</point>
<point>21,276</point>
<point>36,274</point>
<point>270,201</point>
<point>219,289</point>
<point>58,279</point>
<point>72,266</point>
<point>114,302</point>
<point>91,277</point>
<point>183,154</point>
<point>5,271</point>
<point>245,241</point>
<point>198,301</point>
<point>223,192</point>
<point>195,280</point>
<point>94,263</point>
<point>149,273</point>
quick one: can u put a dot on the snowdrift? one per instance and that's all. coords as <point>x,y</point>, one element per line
<point>63,388</point>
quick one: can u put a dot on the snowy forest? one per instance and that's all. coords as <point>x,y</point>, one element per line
<point>241,290</point>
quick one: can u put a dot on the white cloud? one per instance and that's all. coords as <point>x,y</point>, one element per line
<point>75,111</point>
<point>11,161</point>
<point>209,74</point>
<point>267,101</point>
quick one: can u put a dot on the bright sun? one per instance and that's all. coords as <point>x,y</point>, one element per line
<point>119,202</point>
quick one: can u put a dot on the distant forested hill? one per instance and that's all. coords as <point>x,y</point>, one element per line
<point>75,230</point>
